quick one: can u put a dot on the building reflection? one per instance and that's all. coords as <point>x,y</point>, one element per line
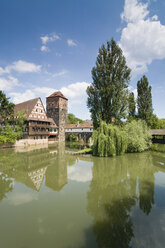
<point>31,168</point>
<point>56,174</point>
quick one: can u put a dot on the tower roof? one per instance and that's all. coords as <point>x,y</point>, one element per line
<point>57,94</point>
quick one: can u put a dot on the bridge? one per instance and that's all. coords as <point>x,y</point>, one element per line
<point>157,134</point>
<point>82,131</point>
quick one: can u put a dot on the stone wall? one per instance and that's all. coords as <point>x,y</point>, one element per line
<point>57,108</point>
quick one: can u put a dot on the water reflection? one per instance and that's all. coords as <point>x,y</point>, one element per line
<point>111,201</point>
<point>30,168</point>
<point>118,186</point>
<point>6,185</point>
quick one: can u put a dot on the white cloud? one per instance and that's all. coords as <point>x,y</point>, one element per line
<point>22,97</point>
<point>71,43</point>
<point>76,94</point>
<point>9,83</point>
<point>2,71</point>
<point>44,49</point>
<point>59,74</point>
<point>49,38</point>
<point>143,39</point>
<point>155,18</point>
<point>75,90</point>
<point>134,11</point>
<point>80,172</point>
<point>21,198</point>
<point>44,90</point>
<point>23,67</point>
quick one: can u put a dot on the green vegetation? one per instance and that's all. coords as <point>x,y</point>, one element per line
<point>6,108</point>
<point>158,147</point>
<point>11,126</point>
<point>111,140</point>
<point>72,137</point>
<point>84,151</point>
<point>107,95</point>
<point>138,136</point>
<point>72,119</point>
<point>131,106</point>
<point>144,100</point>
<point>156,123</point>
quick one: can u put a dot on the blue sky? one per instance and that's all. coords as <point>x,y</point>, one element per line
<point>48,45</point>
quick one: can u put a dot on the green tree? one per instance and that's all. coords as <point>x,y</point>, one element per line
<point>12,125</point>
<point>107,95</point>
<point>6,108</point>
<point>131,105</point>
<point>144,100</point>
<point>72,119</point>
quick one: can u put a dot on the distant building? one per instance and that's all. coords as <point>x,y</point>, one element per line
<point>57,109</point>
<point>38,124</point>
<point>52,123</point>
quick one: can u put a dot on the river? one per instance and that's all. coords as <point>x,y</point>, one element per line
<point>50,198</point>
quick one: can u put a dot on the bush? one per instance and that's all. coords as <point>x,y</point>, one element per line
<point>111,140</point>
<point>138,136</point>
<point>72,137</point>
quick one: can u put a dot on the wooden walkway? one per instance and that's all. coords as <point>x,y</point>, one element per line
<point>158,132</point>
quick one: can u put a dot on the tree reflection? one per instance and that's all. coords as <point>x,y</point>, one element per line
<point>6,185</point>
<point>117,186</point>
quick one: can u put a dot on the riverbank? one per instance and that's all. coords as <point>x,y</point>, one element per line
<point>23,143</point>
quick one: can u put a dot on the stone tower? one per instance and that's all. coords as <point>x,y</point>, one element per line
<point>57,109</point>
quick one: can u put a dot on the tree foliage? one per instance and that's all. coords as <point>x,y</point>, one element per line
<point>72,119</point>
<point>6,108</point>
<point>131,105</point>
<point>109,140</point>
<point>11,127</point>
<point>107,95</point>
<point>144,100</point>
<point>112,140</point>
<point>138,136</point>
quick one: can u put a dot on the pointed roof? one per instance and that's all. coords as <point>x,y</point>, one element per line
<point>27,106</point>
<point>57,94</point>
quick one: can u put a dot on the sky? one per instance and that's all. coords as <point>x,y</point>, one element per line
<point>50,45</point>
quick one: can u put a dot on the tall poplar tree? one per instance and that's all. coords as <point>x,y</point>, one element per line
<point>144,99</point>
<point>107,95</point>
<point>131,105</point>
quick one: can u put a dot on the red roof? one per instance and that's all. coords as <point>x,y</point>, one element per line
<point>83,125</point>
<point>57,94</point>
<point>27,106</point>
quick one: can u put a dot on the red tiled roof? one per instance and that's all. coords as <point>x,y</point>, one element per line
<point>27,106</point>
<point>57,94</point>
<point>83,125</point>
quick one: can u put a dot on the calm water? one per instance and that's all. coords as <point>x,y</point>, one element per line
<point>50,198</point>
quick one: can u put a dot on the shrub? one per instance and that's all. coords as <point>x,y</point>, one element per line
<point>138,136</point>
<point>72,137</point>
<point>111,140</point>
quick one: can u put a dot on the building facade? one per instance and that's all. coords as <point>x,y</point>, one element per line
<point>38,124</point>
<point>57,109</point>
<point>52,123</point>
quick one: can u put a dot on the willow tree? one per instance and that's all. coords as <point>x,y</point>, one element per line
<point>107,95</point>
